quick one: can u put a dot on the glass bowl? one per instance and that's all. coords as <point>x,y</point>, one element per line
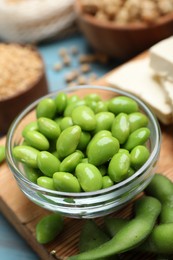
<point>84,204</point>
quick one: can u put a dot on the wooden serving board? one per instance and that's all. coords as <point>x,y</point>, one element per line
<point>24,215</point>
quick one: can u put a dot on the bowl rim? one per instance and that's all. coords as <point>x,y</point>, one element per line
<point>113,26</point>
<point>16,172</point>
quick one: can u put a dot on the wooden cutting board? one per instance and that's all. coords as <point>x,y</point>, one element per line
<point>24,215</point>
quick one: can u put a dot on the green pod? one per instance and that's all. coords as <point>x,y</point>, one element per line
<point>107,182</point>
<point>65,122</point>
<point>30,127</point>
<point>119,166</point>
<point>46,182</point>
<point>48,127</point>
<point>122,104</point>
<point>65,181</point>
<point>160,187</point>
<point>147,210</point>
<point>113,225</point>
<point>120,127</point>
<point>91,236</point>
<point>46,108</point>
<point>49,227</point>
<point>84,117</point>
<point>61,102</point>
<point>71,161</point>
<point>26,154</point>
<point>2,153</point>
<point>101,149</point>
<point>137,120</point>
<point>68,141</point>
<point>104,121</point>
<point>138,156</point>
<point>166,215</point>
<point>138,137</point>
<point>31,173</point>
<point>48,163</point>
<point>37,140</point>
<point>89,177</point>
<point>84,140</point>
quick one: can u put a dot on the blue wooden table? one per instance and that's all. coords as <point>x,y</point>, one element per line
<point>12,245</point>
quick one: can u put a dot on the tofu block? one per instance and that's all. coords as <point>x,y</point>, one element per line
<point>161,58</point>
<point>136,77</point>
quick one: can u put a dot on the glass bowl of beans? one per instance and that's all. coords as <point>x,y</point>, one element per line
<point>84,151</point>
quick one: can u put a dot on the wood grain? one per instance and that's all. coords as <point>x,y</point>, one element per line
<point>24,215</point>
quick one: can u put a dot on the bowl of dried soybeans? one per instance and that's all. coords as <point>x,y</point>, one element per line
<point>124,28</point>
<point>22,80</point>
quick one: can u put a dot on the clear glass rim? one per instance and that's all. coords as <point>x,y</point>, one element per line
<point>153,156</point>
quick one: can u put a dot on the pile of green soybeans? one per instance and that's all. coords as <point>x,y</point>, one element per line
<point>83,144</point>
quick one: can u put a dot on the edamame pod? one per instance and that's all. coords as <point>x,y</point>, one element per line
<point>137,230</point>
<point>49,227</point>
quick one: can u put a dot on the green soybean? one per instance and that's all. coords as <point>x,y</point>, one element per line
<point>26,154</point>
<point>65,122</point>
<point>37,140</point>
<point>92,97</point>
<point>103,121</point>
<point>147,210</point>
<point>71,161</point>
<point>120,127</point>
<point>107,182</point>
<point>137,120</point>
<point>69,108</point>
<point>101,107</point>
<point>89,177</point>
<point>65,181</point>
<point>46,108</point>
<point>48,127</point>
<point>101,149</point>
<point>32,174</point>
<point>122,104</point>
<point>2,153</point>
<point>119,166</point>
<point>68,141</point>
<point>138,156</point>
<point>30,127</point>
<point>48,163</point>
<point>49,227</point>
<point>85,137</point>
<point>46,182</point>
<point>84,117</point>
<point>61,102</point>
<point>138,137</point>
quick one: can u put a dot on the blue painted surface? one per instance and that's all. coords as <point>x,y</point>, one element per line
<point>12,246</point>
